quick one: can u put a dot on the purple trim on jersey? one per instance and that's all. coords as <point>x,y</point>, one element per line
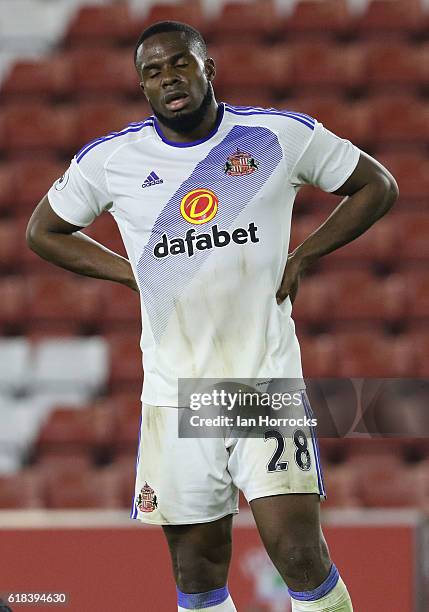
<point>136,127</point>
<point>134,510</point>
<point>220,113</point>
<point>309,413</point>
<point>267,112</point>
<point>198,601</point>
<point>163,281</point>
<point>272,110</point>
<point>326,587</point>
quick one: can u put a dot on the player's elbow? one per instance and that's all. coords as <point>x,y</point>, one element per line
<point>387,191</point>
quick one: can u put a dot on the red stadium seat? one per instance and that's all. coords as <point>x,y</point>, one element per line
<point>105,230</point>
<point>43,78</point>
<point>395,64</point>
<point>367,450</point>
<point>341,487</point>
<point>399,488</point>
<point>371,354</point>
<point>419,339</point>
<point>325,67</point>
<point>109,24</point>
<point>82,430</point>
<point>377,245</point>
<point>62,299</point>
<point>350,120</point>
<point>320,19</point>
<point>7,191</point>
<point>258,20</point>
<point>417,284</point>
<point>37,128</point>
<point>97,488</point>
<point>359,296</point>
<point>411,170</point>
<point>125,468</point>
<point>257,59</point>
<point>9,246</point>
<point>121,308</point>
<point>412,231</point>
<point>400,119</point>
<point>189,12</point>
<point>22,490</point>
<point>96,119</point>
<point>319,356</point>
<point>128,413</point>
<point>382,17</point>
<point>313,302</point>
<point>126,372</point>
<point>103,73</point>
<point>32,178</point>
<point>13,303</point>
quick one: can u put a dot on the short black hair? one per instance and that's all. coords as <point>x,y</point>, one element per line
<point>194,36</point>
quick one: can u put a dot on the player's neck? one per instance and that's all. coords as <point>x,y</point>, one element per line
<point>204,128</point>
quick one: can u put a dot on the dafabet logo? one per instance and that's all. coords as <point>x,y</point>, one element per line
<point>197,207</point>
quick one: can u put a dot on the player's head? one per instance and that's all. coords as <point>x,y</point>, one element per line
<point>176,73</point>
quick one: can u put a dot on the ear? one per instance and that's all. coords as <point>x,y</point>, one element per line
<point>143,89</point>
<point>210,68</point>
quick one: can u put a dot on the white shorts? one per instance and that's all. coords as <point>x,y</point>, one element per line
<point>183,481</point>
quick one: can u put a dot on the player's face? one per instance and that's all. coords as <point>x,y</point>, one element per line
<point>175,78</point>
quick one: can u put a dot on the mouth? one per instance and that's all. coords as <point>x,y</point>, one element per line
<point>176,100</point>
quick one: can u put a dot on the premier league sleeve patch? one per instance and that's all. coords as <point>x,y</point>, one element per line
<point>62,182</point>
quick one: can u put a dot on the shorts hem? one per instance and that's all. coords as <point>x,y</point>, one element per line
<point>190,521</point>
<point>254,496</point>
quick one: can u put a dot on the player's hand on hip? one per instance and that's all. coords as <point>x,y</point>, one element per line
<point>291,277</point>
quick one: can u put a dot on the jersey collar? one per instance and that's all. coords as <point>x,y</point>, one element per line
<point>220,114</point>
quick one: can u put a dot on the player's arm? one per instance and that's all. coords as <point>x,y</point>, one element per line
<point>62,244</point>
<point>370,192</point>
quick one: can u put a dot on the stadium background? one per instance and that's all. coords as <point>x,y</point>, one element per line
<point>70,368</point>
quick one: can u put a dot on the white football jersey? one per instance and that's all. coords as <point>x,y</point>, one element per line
<point>206,227</point>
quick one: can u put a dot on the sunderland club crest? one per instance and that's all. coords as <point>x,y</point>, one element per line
<point>147,501</point>
<point>240,164</point>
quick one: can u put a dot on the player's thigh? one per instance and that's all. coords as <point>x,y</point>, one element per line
<point>200,554</point>
<point>180,481</point>
<point>278,460</point>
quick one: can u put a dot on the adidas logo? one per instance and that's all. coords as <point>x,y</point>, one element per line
<point>152,179</point>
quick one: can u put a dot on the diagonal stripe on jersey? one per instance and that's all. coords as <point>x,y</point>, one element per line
<point>163,281</point>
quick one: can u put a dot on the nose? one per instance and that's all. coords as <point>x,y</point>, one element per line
<point>169,76</point>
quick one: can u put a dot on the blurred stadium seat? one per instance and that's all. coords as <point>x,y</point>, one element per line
<point>320,66</point>
<point>126,372</point>
<point>188,11</point>
<point>22,490</point>
<point>46,78</point>
<point>13,304</point>
<point>259,20</point>
<point>69,363</point>
<point>395,64</point>
<point>400,119</point>
<point>372,354</point>
<point>15,359</point>
<point>103,72</point>
<point>383,17</point>
<point>318,19</point>
<point>36,128</point>
<point>93,488</point>
<point>319,355</point>
<point>108,24</point>
<point>57,299</point>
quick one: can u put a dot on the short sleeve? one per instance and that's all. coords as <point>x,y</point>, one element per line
<point>77,199</point>
<point>326,161</point>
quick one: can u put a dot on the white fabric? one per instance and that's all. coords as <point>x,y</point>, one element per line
<point>226,606</point>
<point>196,480</point>
<point>337,600</point>
<point>213,312</point>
